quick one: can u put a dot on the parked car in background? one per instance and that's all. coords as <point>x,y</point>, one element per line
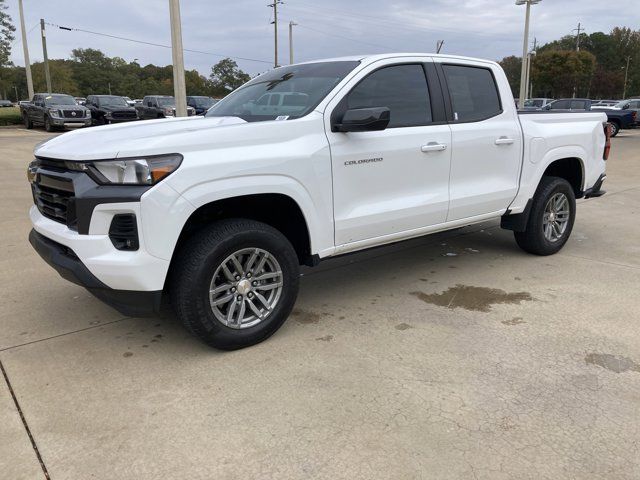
<point>137,101</point>
<point>23,102</point>
<point>604,103</point>
<point>54,110</point>
<point>618,119</point>
<point>536,103</point>
<point>159,106</point>
<point>221,210</point>
<point>631,104</point>
<point>107,109</point>
<point>130,102</point>
<point>5,103</point>
<point>200,103</point>
<point>80,100</point>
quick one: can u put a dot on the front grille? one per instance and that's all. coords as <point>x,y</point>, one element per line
<point>123,115</point>
<point>52,197</point>
<point>70,113</point>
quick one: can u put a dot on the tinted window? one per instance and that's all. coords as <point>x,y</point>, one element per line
<point>578,105</point>
<point>401,88</point>
<point>313,81</point>
<point>560,105</point>
<point>473,92</point>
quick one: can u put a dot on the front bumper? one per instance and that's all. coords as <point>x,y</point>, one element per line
<point>70,267</point>
<point>67,122</point>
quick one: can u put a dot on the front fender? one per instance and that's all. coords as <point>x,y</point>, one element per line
<point>317,216</point>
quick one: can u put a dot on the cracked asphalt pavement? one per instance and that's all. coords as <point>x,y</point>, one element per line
<point>453,356</point>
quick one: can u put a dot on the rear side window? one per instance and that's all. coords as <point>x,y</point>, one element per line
<point>400,88</point>
<point>578,105</point>
<point>561,105</point>
<point>473,92</point>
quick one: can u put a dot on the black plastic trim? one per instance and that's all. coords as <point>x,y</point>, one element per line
<point>596,190</point>
<point>517,222</point>
<point>71,268</point>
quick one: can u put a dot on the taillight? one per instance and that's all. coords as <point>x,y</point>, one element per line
<point>607,143</point>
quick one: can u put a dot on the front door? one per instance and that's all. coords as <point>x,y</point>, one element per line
<point>395,180</point>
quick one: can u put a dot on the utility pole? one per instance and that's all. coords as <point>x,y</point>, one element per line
<point>532,54</point>
<point>579,29</point>
<point>25,48</point>
<point>626,77</point>
<point>274,5</point>
<point>177,54</point>
<point>439,45</point>
<point>44,55</point>
<point>16,89</point>
<point>525,49</point>
<point>291,25</point>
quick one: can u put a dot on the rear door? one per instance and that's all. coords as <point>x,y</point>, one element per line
<point>395,180</point>
<point>486,137</point>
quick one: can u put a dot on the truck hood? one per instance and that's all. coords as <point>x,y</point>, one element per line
<point>168,135</point>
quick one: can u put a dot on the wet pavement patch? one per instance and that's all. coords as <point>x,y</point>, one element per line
<point>305,317</point>
<point>326,338</point>
<point>403,326</point>
<point>479,299</point>
<point>514,321</point>
<point>615,363</point>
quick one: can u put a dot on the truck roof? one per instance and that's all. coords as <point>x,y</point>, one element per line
<point>383,56</point>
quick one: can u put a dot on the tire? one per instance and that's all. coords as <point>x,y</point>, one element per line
<point>28,124</point>
<point>47,124</point>
<point>615,128</point>
<point>198,269</point>
<point>535,239</point>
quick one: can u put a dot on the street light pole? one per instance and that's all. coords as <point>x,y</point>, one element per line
<point>177,54</point>
<point>47,75</point>
<point>291,25</point>
<point>25,49</point>
<point>525,49</point>
<point>626,77</point>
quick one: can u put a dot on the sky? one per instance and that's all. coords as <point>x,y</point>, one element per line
<point>242,29</point>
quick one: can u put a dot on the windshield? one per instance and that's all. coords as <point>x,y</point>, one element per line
<point>533,102</point>
<point>59,100</point>
<point>166,102</point>
<point>284,93</point>
<point>113,101</point>
<point>203,102</point>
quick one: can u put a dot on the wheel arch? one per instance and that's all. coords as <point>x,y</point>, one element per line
<point>278,210</point>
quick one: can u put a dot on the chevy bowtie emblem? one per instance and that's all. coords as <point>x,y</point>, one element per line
<point>73,114</point>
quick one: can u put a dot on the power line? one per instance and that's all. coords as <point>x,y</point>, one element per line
<point>19,40</point>
<point>346,38</point>
<point>153,44</point>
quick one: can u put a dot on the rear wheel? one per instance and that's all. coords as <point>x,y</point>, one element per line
<point>551,218</point>
<point>235,283</point>
<point>615,128</point>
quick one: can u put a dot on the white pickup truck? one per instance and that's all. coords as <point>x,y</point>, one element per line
<point>303,163</point>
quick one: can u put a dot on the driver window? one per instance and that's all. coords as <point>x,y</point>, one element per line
<point>401,88</point>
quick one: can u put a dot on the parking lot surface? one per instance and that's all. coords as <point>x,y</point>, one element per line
<point>454,356</point>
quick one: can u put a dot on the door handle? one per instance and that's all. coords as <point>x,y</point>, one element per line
<point>433,147</point>
<point>504,141</point>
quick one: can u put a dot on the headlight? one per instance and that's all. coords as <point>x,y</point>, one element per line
<point>87,114</point>
<point>130,171</point>
<point>168,111</point>
<point>54,113</point>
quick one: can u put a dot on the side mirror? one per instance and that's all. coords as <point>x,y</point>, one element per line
<point>363,120</point>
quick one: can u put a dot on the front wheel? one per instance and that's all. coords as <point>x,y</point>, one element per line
<point>235,283</point>
<point>615,129</point>
<point>47,125</point>
<point>28,124</point>
<point>551,218</point>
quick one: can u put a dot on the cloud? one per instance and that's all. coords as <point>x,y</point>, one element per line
<point>483,28</point>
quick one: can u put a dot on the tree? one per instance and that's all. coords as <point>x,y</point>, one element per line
<point>6,34</point>
<point>555,73</point>
<point>226,76</point>
<point>512,67</point>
